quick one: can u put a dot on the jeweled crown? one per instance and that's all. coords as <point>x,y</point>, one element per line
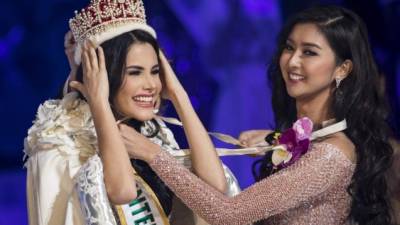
<point>102,20</point>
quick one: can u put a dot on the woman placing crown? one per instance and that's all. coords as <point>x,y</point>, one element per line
<point>323,70</point>
<point>79,170</point>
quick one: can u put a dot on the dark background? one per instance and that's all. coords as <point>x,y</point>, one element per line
<point>219,48</point>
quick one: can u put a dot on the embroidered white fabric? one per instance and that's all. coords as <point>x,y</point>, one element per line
<point>92,193</point>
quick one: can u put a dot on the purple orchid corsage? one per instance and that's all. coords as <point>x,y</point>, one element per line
<point>294,143</point>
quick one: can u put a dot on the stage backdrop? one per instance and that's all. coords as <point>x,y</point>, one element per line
<point>220,50</point>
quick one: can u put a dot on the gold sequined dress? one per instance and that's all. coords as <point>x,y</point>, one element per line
<point>311,191</point>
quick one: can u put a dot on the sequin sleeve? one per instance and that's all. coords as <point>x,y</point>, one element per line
<point>320,169</point>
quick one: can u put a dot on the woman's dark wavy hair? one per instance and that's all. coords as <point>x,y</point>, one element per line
<point>357,100</point>
<point>115,52</point>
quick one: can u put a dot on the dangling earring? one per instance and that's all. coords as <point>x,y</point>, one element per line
<point>338,80</point>
<point>157,106</point>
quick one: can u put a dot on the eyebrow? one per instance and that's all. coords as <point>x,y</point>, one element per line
<point>307,44</point>
<point>135,67</point>
<point>141,68</point>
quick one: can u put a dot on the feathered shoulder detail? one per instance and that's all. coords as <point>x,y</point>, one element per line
<point>65,125</point>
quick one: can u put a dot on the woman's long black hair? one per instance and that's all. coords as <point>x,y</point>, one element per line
<point>357,100</point>
<point>115,52</point>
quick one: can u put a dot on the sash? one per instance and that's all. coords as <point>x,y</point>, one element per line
<point>145,209</point>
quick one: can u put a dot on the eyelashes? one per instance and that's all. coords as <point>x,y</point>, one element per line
<point>305,52</point>
<point>288,47</point>
<point>309,53</point>
<point>134,73</point>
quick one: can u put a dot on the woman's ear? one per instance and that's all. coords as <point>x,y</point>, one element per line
<point>344,69</point>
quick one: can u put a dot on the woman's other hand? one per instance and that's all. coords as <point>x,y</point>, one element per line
<point>253,138</point>
<point>137,145</point>
<point>95,86</point>
<point>171,85</point>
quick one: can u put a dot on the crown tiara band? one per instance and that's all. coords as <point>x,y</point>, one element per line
<point>103,20</point>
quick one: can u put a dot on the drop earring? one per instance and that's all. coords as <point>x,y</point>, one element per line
<point>156,106</point>
<point>338,81</point>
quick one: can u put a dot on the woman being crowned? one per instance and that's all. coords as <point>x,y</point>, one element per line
<point>80,169</point>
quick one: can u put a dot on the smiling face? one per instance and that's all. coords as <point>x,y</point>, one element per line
<point>308,63</point>
<point>141,85</point>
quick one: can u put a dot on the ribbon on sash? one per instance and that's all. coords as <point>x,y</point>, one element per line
<point>260,148</point>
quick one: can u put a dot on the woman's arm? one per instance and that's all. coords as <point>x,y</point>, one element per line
<point>205,161</point>
<point>118,172</point>
<point>323,167</point>
<point>316,172</point>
